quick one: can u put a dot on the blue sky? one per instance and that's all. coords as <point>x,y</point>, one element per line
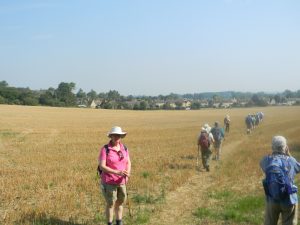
<point>151,47</point>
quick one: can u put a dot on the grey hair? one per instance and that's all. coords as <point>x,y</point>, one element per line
<point>279,144</point>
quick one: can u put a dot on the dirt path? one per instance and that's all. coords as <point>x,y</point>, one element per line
<point>179,204</point>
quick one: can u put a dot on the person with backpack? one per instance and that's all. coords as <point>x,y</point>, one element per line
<point>218,134</point>
<point>114,168</point>
<point>280,169</point>
<point>204,141</point>
<point>248,121</point>
<point>227,123</point>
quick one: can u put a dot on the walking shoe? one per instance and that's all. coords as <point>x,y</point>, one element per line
<point>207,168</point>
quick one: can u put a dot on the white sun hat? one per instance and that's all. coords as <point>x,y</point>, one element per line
<point>116,130</point>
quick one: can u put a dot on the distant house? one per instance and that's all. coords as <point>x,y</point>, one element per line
<point>173,105</point>
<point>96,103</point>
<point>226,104</point>
<point>93,104</point>
<point>272,102</point>
<point>186,104</point>
<point>159,105</point>
<point>204,104</point>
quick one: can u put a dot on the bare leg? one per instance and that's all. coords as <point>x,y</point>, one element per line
<point>119,210</point>
<point>110,212</point>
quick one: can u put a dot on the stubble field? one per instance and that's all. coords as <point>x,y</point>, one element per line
<point>48,160</point>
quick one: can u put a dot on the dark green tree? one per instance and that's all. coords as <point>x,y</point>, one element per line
<point>65,95</point>
<point>92,95</point>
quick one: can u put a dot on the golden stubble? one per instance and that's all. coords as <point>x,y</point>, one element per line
<point>48,156</point>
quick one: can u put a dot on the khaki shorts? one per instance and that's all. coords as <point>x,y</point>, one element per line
<point>112,193</point>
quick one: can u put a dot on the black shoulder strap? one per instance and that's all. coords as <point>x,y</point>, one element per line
<point>107,149</point>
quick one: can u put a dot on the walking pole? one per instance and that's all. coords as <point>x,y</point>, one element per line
<point>129,204</point>
<point>198,157</point>
<point>128,200</point>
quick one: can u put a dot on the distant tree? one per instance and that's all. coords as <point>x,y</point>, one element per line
<point>178,104</point>
<point>167,105</point>
<point>136,106</point>
<point>102,95</point>
<point>256,100</point>
<point>106,105</point>
<point>210,103</point>
<point>28,97</point>
<point>65,95</point>
<point>288,94</point>
<point>3,83</point>
<point>81,94</point>
<point>277,98</point>
<point>11,94</point>
<point>215,98</point>
<point>113,95</point>
<point>143,105</point>
<point>48,98</point>
<point>92,95</point>
<point>196,105</point>
<point>2,100</point>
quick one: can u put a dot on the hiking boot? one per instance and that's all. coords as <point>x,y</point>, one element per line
<point>207,168</point>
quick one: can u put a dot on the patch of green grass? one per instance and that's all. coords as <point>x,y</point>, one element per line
<point>219,195</point>
<point>233,208</point>
<point>145,174</point>
<point>202,213</point>
<point>147,198</point>
<point>141,216</point>
<point>8,133</point>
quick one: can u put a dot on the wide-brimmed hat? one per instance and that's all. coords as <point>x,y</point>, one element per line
<point>203,129</point>
<point>116,130</point>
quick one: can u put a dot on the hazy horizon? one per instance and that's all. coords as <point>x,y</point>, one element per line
<point>152,47</point>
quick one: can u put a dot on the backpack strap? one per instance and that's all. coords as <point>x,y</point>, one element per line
<point>107,149</point>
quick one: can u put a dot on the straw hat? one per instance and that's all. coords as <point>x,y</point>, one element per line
<point>116,130</point>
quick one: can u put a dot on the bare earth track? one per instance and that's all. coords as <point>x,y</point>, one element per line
<point>180,204</point>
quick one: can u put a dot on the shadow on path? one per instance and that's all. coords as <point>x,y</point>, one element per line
<point>43,219</point>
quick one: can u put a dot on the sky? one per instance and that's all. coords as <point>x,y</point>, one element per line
<point>153,47</point>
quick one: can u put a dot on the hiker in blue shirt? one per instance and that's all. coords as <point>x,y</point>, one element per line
<point>287,203</point>
<point>248,121</point>
<point>218,134</point>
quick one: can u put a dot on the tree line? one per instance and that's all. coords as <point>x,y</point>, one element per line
<point>64,96</point>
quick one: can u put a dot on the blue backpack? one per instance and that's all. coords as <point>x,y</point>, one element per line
<point>217,134</point>
<point>278,184</point>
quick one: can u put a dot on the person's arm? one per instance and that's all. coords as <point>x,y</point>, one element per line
<point>287,151</point>
<point>262,164</point>
<point>211,138</point>
<point>108,169</point>
<point>128,169</point>
<point>104,167</point>
<point>296,164</point>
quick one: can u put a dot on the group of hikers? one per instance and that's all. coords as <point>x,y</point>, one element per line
<point>279,167</point>
<point>208,137</point>
<point>253,120</point>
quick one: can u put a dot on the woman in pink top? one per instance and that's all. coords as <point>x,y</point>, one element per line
<point>115,165</point>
